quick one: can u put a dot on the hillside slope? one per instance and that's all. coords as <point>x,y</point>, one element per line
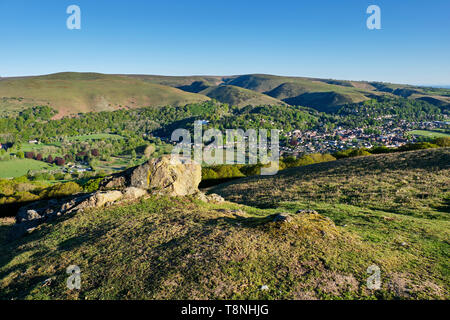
<point>412,183</point>
<point>323,94</point>
<point>240,97</point>
<point>72,93</point>
<point>181,248</point>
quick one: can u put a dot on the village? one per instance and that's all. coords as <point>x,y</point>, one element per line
<point>391,134</point>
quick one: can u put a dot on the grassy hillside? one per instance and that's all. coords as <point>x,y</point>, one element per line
<point>388,210</point>
<point>184,249</point>
<point>429,134</point>
<point>325,101</point>
<point>322,94</point>
<point>71,93</point>
<point>413,183</point>
<point>236,96</point>
<point>19,167</point>
<point>178,81</point>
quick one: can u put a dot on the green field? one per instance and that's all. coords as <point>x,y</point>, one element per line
<point>98,136</point>
<point>26,147</point>
<point>19,167</point>
<point>429,134</point>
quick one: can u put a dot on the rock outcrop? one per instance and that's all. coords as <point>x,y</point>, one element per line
<point>211,198</point>
<point>165,176</point>
<point>282,217</point>
<point>162,176</point>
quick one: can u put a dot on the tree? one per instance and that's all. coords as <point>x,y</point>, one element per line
<point>29,155</point>
<point>39,157</point>
<point>442,142</point>
<point>49,159</point>
<point>20,154</point>
<point>95,152</point>
<point>59,161</point>
<point>68,157</point>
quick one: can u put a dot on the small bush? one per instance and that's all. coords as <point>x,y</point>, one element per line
<point>417,146</point>
<point>442,142</point>
<point>92,185</point>
<point>61,190</point>
<point>381,149</point>
<point>208,173</point>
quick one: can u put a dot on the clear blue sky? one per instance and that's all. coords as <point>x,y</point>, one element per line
<point>317,38</point>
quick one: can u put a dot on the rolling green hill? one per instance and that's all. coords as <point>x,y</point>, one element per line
<point>237,96</point>
<point>72,93</point>
<point>322,94</point>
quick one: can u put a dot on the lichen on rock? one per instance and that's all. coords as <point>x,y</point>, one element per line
<point>167,175</point>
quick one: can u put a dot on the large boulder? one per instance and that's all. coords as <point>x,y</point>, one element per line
<point>132,193</point>
<point>173,176</point>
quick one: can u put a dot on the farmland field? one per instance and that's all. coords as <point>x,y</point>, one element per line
<point>25,147</point>
<point>19,167</point>
<point>429,134</point>
<point>98,136</point>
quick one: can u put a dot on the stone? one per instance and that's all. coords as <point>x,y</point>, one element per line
<point>211,198</point>
<point>201,196</point>
<point>99,199</point>
<point>132,193</point>
<point>306,211</point>
<point>215,198</point>
<point>170,176</point>
<point>282,217</point>
<point>167,175</point>
<point>27,215</point>
<point>113,182</point>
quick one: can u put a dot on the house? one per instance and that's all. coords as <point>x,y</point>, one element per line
<point>33,141</point>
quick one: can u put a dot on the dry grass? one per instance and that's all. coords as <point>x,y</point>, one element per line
<point>180,248</point>
<point>184,249</point>
<point>413,183</point>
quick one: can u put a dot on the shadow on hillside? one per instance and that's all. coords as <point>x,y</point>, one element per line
<point>10,209</point>
<point>184,254</point>
<point>243,222</point>
<point>5,231</point>
<point>446,206</point>
<point>90,236</point>
<point>11,248</point>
